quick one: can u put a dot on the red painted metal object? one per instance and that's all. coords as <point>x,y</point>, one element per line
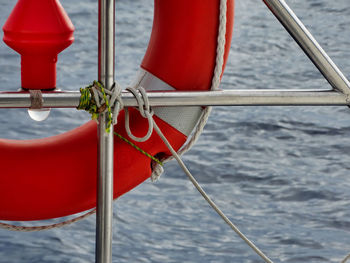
<point>38,30</point>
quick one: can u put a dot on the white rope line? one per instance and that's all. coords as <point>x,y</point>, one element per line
<point>207,198</point>
<point>145,111</point>
<point>220,53</point>
<point>346,259</point>
<point>11,227</point>
<point>113,96</point>
<point>116,100</point>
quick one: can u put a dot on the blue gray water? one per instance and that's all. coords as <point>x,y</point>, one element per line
<point>280,173</point>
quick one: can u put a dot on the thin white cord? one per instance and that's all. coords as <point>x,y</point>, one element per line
<point>220,49</point>
<point>47,227</point>
<point>145,111</point>
<point>220,53</point>
<point>207,198</point>
<point>346,259</point>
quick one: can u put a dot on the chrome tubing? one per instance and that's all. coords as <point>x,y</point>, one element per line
<point>309,45</point>
<point>247,98</point>
<point>106,66</point>
<point>250,97</point>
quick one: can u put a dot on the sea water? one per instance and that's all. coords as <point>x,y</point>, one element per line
<point>280,173</point>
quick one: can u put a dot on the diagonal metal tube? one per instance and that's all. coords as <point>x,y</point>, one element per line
<point>309,45</point>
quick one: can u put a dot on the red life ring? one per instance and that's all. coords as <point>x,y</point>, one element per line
<point>56,176</point>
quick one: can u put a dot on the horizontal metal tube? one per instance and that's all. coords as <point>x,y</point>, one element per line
<point>50,99</point>
<point>201,98</point>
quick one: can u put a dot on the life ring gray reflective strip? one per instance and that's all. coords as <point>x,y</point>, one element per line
<point>183,119</point>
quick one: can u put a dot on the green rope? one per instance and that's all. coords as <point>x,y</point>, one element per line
<point>87,102</point>
<point>138,148</point>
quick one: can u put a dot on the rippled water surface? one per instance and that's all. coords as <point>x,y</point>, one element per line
<point>280,173</point>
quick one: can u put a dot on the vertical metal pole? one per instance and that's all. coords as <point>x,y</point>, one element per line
<point>104,216</point>
<point>309,44</point>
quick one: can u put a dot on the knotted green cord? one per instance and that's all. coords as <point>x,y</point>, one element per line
<point>138,148</point>
<point>87,102</point>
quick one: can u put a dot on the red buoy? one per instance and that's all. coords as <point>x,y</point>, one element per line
<point>38,30</point>
<point>57,176</point>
